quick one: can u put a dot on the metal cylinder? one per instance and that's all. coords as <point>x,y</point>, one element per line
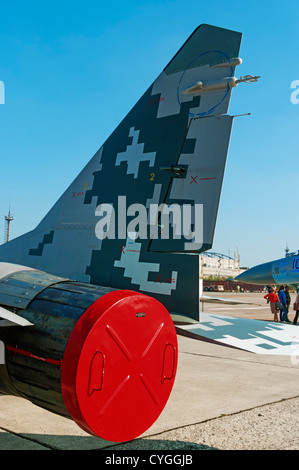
<point>106,358</point>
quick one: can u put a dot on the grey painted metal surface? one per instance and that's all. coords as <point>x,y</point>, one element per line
<point>19,288</point>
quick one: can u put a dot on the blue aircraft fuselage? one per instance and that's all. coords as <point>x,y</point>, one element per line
<point>280,271</point>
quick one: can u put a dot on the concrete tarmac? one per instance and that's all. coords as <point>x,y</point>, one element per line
<point>223,398</point>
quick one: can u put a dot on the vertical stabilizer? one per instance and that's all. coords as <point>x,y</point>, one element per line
<point>171,148</point>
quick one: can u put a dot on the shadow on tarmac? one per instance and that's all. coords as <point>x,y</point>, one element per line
<point>150,444</point>
<point>61,442</point>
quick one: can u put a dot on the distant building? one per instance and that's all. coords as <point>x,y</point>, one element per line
<point>219,265</point>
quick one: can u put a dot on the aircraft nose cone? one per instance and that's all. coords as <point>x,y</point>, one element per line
<point>261,274</point>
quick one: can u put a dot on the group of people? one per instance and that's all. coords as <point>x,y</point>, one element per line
<point>280,303</point>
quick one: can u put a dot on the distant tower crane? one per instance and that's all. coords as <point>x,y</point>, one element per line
<point>8,218</point>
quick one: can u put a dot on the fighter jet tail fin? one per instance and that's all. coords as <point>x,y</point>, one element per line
<point>170,151</point>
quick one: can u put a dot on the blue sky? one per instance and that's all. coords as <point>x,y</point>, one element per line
<point>72,70</point>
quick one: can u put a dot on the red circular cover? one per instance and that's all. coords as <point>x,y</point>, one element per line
<point>119,365</point>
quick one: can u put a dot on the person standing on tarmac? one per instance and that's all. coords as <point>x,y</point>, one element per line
<point>296,307</point>
<point>288,297</point>
<point>283,300</point>
<point>273,298</point>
